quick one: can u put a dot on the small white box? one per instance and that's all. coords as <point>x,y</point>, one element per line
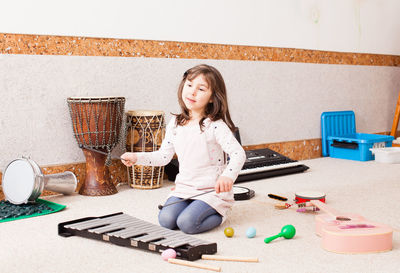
<point>386,155</point>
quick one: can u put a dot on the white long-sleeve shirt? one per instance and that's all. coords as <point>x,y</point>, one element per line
<point>201,160</point>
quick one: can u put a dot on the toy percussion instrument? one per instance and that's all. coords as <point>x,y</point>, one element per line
<point>350,233</point>
<point>242,193</point>
<point>98,124</point>
<point>287,232</point>
<point>23,181</point>
<point>305,196</point>
<point>301,199</point>
<point>146,130</point>
<point>125,230</point>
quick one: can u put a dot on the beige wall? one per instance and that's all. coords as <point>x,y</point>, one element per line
<point>269,101</point>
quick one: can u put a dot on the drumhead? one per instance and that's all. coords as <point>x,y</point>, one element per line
<point>242,193</point>
<point>18,181</point>
<point>145,113</point>
<point>312,195</point>
<point>94,99</point>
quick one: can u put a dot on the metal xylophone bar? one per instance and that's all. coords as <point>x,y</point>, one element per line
<point>122,229</point>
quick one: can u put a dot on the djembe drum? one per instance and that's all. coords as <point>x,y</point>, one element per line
<point>97,125</point>
<point>145,132</point>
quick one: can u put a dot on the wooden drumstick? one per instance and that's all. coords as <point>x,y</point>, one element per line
<point>230,258</point>
<point>193,264</point>
<point>161,206</point>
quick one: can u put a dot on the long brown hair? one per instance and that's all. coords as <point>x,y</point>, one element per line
<point>218,107</point>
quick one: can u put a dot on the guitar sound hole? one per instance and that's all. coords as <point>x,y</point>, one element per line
<point>342,218</point>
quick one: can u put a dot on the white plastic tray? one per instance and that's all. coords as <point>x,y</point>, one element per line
<point>386,155</point>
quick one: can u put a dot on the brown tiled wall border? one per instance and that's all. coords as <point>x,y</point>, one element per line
<point>297,150</point>
<point>83,46</point>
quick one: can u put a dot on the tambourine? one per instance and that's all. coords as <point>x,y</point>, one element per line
<point>242,193</point>
<point>305,196</point>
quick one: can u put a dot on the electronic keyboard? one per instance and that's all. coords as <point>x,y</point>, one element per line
<point>259,164</point>
<point>264,163</point>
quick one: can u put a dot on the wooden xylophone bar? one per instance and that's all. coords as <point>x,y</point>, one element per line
<point>124,230</point>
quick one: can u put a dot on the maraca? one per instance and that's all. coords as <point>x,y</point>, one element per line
<point>287,232</point>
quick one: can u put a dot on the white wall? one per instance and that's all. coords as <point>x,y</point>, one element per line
<point>269,101</point>
<point>364,26</point>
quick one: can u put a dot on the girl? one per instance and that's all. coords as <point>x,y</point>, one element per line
<point>199,136</point>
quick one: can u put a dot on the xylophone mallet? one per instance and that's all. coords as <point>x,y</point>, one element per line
<point>229,258</point>
<point>193,264</point>
<point>100,152</point>
<point>185,199</point>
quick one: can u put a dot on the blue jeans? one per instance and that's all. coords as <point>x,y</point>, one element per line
<point>190,216</point>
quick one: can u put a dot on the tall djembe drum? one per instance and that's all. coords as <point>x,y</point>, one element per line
<point>145,132</point>
<point>97,125</point>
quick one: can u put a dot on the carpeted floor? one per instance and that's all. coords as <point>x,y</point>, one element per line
<point>367,188</point>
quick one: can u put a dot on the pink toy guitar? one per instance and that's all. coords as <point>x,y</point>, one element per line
<point>350,233</point>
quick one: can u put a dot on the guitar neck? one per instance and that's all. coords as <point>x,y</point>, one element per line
<point>322,206</point>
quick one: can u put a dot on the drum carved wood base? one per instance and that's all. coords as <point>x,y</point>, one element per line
<point>98,181</point>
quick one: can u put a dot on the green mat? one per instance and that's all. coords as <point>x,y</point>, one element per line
<point>11,212</point>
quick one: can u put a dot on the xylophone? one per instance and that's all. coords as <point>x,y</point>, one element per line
<point>124,230</point>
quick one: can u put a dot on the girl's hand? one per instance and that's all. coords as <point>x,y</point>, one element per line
<point>128,159</point>
<point>224,184</point>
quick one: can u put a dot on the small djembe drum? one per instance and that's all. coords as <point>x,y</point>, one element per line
<point>145,132</point>
<point>96,123</point>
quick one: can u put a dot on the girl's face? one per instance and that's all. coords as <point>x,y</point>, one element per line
<point>196,94</point>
